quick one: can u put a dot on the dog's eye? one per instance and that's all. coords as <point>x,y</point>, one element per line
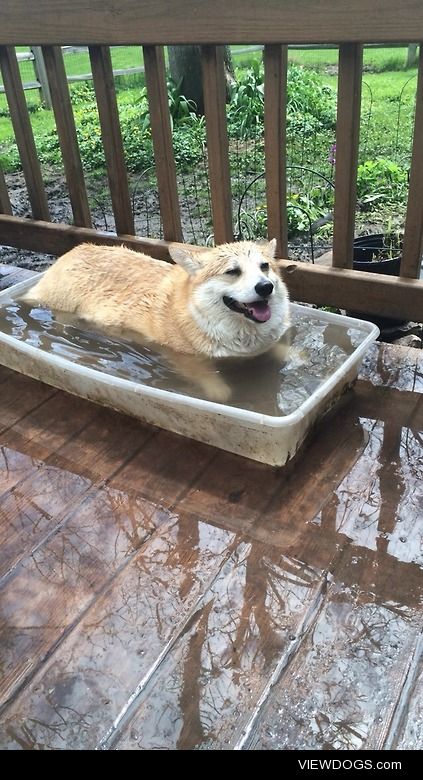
<point>233,271</point>
<point>264,267</point>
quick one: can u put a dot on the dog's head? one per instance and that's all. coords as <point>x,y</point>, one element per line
<point>236,290</point>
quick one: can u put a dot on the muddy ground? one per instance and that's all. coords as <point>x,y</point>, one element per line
<point>196,227</point>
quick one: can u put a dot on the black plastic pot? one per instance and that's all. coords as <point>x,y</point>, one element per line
<point>367,250</point>
<point>367,255</point>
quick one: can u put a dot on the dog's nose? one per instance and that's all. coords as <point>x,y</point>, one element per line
<point>264,289</point>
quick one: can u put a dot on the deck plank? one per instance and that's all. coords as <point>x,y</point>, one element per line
<point>114,650</point>
<point>41,493</point>
<point>20,395</point>
<point>165,469</point>
<point>163,594</point>
<point>207,689</point>
<point>409,734</point>
<point>64,576</point>
<point>370,623</point>
<point>341,689</point>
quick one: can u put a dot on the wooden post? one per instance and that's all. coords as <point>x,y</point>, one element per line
<point>275,70</point>
<point>347,138</point>
<point>41,76</point>
<point>217,142</point>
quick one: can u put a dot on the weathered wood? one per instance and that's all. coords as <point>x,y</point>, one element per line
<point>275,74</point>
<point>235,504</point>
<point>208,687</point>
<point>347,139</point>
<point>101,65</point>
<point>62,107</point>
<point>217,142</point>
<point>360,290</point>
<point>5,205</point>
<point>365,633</point>
<point>76,550</point>
<point>409,724</point>
<point>33,508</point>
<point>79,560</point>
<point>10,275</point>
<point>171,571</point>
<point>413,232</point>
<point>56,239</point>
<point>358,642</point>
<point>38,502</point>
<point>167,467</point>
<point>29,441</point>
<point>23,132</point>
<point>140,21</point>
<point>20,397</point>
<point>41,76</point>
<point>155,78</point>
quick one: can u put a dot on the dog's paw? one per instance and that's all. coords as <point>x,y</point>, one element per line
<point>216,389</point>
<point>280,352</point>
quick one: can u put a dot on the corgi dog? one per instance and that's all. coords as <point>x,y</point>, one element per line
<point>229,301</point>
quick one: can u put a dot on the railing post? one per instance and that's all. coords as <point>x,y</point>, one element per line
<point>347,138</point>
<point>41,76</point>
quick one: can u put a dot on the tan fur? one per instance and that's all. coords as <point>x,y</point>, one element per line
<point>176,306</point>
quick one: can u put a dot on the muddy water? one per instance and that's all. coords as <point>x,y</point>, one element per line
<point>314,350</point>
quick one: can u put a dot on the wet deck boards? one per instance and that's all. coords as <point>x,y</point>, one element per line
<point>158,593</point>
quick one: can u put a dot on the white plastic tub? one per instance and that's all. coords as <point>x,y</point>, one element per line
<point>269,439</point>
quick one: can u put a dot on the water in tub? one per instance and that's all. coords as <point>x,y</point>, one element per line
<point>314,350</point>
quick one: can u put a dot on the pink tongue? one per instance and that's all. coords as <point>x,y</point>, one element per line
<point>260,310</point>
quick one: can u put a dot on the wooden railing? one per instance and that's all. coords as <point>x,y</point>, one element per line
<point>275,23</point>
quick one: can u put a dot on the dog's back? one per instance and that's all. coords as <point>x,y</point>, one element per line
<point>112,287</point>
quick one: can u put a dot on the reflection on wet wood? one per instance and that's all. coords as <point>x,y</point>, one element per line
<point>157,593</point>
<point>64,575</point>
<point>20,395</point>
<point>119,641</point>
<point>241,635</point>
<point>408,731</point>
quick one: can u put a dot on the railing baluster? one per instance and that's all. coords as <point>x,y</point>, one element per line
<point>65,123</point>
<point>101,65</point>
<point>413,234</point>
<point>217,142</point>
<point>275,73</point>
<point>23,133</point>
<point>155,77</point>
<point>347,138</point>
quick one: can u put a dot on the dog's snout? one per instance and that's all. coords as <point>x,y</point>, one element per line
<point>264,289</point>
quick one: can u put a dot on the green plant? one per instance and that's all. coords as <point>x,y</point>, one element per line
<point>303,210</point>
<point>380,180</point>
<point>310,104</point>
<point>180,108</point>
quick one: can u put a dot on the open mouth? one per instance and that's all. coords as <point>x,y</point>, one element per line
<point>258,311</point>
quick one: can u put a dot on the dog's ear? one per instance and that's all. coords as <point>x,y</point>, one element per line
<point>190,261</point>
<point>268,247</point>
<point>271,247</point>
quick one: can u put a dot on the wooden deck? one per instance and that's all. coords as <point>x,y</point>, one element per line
<point>158,593</point>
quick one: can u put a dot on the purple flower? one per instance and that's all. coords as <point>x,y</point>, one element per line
<point>332,155</point>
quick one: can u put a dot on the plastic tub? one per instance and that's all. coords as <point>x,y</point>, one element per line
<point>262,437</point>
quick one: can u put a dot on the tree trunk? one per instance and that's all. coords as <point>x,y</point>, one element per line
<point>185,70</point>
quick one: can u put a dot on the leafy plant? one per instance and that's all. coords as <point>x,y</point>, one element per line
<point>181,109</point>
<point>380,180</point>
<point>310,104</point>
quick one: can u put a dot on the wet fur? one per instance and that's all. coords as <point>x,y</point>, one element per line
<point>179,307</point>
